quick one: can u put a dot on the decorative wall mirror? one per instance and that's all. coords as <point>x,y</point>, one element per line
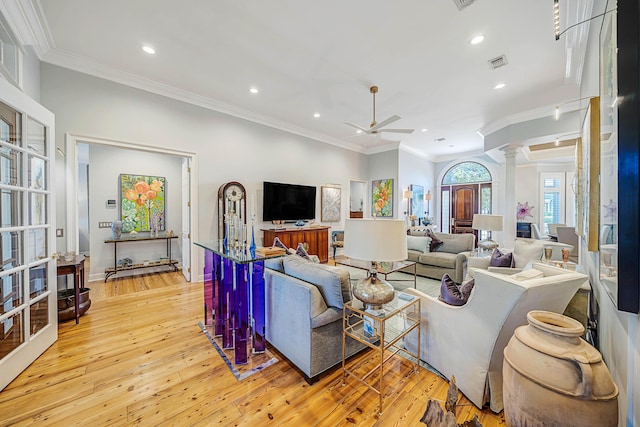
<point>619,263</point>
<point>357,193</point>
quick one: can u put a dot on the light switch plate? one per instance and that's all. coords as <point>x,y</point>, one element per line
<point>59,232</point>
<point>104,224</point>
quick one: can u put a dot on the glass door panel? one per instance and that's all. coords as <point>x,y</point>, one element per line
<point>28,294</point>
<point>11,288</point>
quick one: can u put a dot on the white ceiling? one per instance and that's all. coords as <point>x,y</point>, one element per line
<point>308,57</point>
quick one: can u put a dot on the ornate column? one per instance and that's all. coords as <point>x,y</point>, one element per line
<point>509,233</point>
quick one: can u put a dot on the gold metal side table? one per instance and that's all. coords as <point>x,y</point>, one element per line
<point>401,316</point>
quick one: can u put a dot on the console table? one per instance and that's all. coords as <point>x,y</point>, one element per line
<point>234,298</point>
<point>168,262</point>
<point>316,237</point>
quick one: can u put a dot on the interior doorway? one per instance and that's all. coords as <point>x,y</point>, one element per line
<point>79,215</point>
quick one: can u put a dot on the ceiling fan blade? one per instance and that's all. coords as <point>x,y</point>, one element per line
<point>397,130</point>
<point>357,127</point>
<point>385,122</point>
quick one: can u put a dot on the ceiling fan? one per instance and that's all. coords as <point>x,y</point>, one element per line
<point>375,127</point>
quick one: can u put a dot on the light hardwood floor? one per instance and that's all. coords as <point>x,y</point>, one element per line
<point>138,357</point>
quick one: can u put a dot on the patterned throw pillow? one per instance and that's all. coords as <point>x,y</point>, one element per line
<point>300,251</point>
<point>277,243</point>
<point>451,294</point>
<point>435,242</point>
<point>499,259</point>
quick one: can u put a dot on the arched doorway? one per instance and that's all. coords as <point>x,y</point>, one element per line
<point>466,189</point>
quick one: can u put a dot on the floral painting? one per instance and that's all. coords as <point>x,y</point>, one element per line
<point>382,197</point>
<point>523,211</point>
<point>142,206</point>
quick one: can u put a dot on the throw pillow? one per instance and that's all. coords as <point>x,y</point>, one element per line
<point>418,243</point>
<point>451,294</point>
<point>277,243</point>
<point>435,242</point>
<point>300,251</point>
<point>499,259</point>
<point>527,250</point>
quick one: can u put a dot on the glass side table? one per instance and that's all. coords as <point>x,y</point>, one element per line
<point>399,317</point>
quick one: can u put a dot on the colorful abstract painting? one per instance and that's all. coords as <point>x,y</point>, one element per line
<point>142,202</point>
<point>382,197</point>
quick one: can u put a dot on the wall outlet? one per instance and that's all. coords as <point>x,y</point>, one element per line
<point>104,224</point>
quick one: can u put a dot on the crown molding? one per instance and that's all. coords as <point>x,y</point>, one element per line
<point>27,22</point>
<point>404,147</point>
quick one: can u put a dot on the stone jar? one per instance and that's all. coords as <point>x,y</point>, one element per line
<point>552,377</point>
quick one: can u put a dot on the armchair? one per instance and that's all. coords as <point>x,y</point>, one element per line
<point>337,241</point>
<point>467,341</point>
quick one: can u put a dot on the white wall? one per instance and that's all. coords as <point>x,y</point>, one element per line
<point>227,148</point>
<point>418,171</point>
<point>105,166</point>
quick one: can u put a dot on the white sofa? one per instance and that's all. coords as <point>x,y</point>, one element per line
<point>468,341</point>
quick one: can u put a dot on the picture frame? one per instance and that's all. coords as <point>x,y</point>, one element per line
<point>590,146</point>
<point>382,195</point>
<point>417,200</point>
<point>142,202</point>
<point>330,203</point>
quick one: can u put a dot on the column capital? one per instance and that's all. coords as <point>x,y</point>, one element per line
<point>510,151</point>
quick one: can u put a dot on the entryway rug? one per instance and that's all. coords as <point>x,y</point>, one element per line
<point>256,363</point>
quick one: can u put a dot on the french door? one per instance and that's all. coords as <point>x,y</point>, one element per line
<point>28,291</point>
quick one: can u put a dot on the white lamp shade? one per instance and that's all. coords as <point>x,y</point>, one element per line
<point>487,222</point>
<point>427,196</point>
<point>375,239</point>
<point>408,194</point>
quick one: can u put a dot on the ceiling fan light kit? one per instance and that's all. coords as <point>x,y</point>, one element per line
<point>375,127</point>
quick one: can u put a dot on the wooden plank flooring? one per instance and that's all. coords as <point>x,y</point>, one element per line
<point>138,357</point>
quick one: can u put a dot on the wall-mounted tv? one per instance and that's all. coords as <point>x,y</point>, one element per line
<point>288,202</point>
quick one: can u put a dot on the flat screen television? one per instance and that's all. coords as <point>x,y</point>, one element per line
<point>288,202</point>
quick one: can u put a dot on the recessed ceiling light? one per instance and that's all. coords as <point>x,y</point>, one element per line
<point>477,39</point>
<point>424,130</point>
<point>148,49</point>
<point>358,131</point>
<point>316,115</point>
<point>253,90</point>
<point>499,86</point>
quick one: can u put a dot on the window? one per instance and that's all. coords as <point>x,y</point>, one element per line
<point>553,198</point>
<point>466,172</point>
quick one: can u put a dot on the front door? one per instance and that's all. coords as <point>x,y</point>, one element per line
<point>28,291</point>
<point>464,204</point>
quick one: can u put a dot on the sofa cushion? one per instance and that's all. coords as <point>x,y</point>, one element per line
<point>532,273</point>
<point>413,255</point>
<point>451,294</point>
<point>332,282</point>
<point>439,259</point>
<point>435,241</point>
<point>499,259</point>
<point>527,250</point>
<point>455,243</point>
<point>418,243</point>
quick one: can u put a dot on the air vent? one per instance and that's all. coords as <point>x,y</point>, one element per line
<point>439,139</point>
<point>498,62</point>
<point>461,4</point>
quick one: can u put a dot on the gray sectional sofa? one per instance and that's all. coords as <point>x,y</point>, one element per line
<point>450,257</point>
<point>304,302</point>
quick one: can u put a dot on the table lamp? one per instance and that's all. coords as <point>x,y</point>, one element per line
<point>487,223</point>
<point>375,240</point>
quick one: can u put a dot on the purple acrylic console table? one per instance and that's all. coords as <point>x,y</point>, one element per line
<point>234,299</point>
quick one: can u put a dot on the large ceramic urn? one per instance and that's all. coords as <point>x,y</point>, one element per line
<point>552,377</point>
